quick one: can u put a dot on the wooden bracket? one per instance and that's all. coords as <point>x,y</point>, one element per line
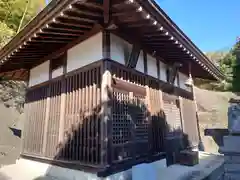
<point>173,71</point>
<point>133,58</point>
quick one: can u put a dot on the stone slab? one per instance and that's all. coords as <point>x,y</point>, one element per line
<point>232,159</point>
<point>232,142</point>
<point>234,118</point>
<point>232,167</point>
<point>231,176</point>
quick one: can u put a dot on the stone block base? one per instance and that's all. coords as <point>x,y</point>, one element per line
<point>231,143</point>
<point>232,168</point>
<point>232,159</point>
<point>231,176</point>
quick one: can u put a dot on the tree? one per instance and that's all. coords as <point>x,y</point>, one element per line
<point>14,15</point>
<point>12,11</point>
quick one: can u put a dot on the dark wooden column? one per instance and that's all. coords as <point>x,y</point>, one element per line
<point>106,111</point>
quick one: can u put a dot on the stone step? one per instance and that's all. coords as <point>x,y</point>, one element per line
<point>231,176</point>
<point>232,167</point>
<point>232,159</point>
<point>232,142</point>
<point>229,151</point>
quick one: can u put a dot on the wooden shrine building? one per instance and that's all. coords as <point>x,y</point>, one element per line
<point>106,82</point>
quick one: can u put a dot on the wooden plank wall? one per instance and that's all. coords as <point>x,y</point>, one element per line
<point>35,109</point>
<point>158,120</point>
<point>65,121</point>
<point>190,127</point>
<point>80,138</point>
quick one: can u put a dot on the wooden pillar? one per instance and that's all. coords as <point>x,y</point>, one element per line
<point>195,102</point>
<point>106,112</point>
<point>62,113</point>
<point>63,101</point>
<point>46,122</point>
<point>181,112</point>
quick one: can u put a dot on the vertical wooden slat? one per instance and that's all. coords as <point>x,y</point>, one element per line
<point>77,118</point>
<point>90,137</point>
<point>81,115</point>
<point>62,112</point>
<point>46,122</point>
<point>87,115</point>
<point>106,139</point>
<point>99,103</point>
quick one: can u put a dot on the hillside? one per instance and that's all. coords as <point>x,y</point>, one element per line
<point>9,143</point>
<point>212,111</point>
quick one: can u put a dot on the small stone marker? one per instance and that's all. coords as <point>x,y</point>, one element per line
<point>231,148</point>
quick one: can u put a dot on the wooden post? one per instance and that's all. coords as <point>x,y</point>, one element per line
<point>46,122</point>
<point>133,133</point>
<point>149,108</point>
<point>106,122</point>
<point>62,113</point>
<point>63,102</point>
<point>181,112</point>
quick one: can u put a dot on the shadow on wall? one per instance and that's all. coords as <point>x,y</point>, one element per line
<point>133,135</point>
<point>16,132</point>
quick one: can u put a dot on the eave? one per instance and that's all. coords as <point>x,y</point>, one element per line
<point>64,23</point>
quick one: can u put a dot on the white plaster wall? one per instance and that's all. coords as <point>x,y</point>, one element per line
<point>140,63</point>
<point>57,72</point>
<point>182,80</point>
<point>120,49</point>
<point>152,66</point>
<point>163,68</point>
<point>85,53</point>
<point>39,74</point>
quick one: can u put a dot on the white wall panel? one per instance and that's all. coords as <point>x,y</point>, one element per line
<point>85,53</point>
<point>140,63</point>
<point>182,80</point>
<point>120,49</point>
<point>57,72</point>
<point>39,74</point>
<point>152,66</point>
<point>163,69</point>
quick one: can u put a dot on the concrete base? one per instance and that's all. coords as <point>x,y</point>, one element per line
<point>32,170</point>
<point>231,143</point>
<point>209,166</point>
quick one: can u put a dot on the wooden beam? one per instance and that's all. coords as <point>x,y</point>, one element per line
<point>68,28</point>
<point>137,25</point>
<point>59,33</point>
<point>48,41</point>
<point>91,5</point>
<point>106,44</point>
<point>126,21</point>
<point>78,19</point>
<point>158,68</point>
<point>74,24</point>
<point>55,38</point>
<point>85,12</point>
<point>145,62</point>
<point>106,11</point>
<point>133,58</point>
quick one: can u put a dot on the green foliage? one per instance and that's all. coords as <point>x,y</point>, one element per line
<point>12,93</point>
<point>229,65</point>
<point>5,34</point>
<point>11,12</point>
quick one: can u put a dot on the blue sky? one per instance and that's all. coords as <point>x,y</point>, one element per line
<point>211,24</point>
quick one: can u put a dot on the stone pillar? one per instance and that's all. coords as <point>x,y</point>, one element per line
<point>231,147</point>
